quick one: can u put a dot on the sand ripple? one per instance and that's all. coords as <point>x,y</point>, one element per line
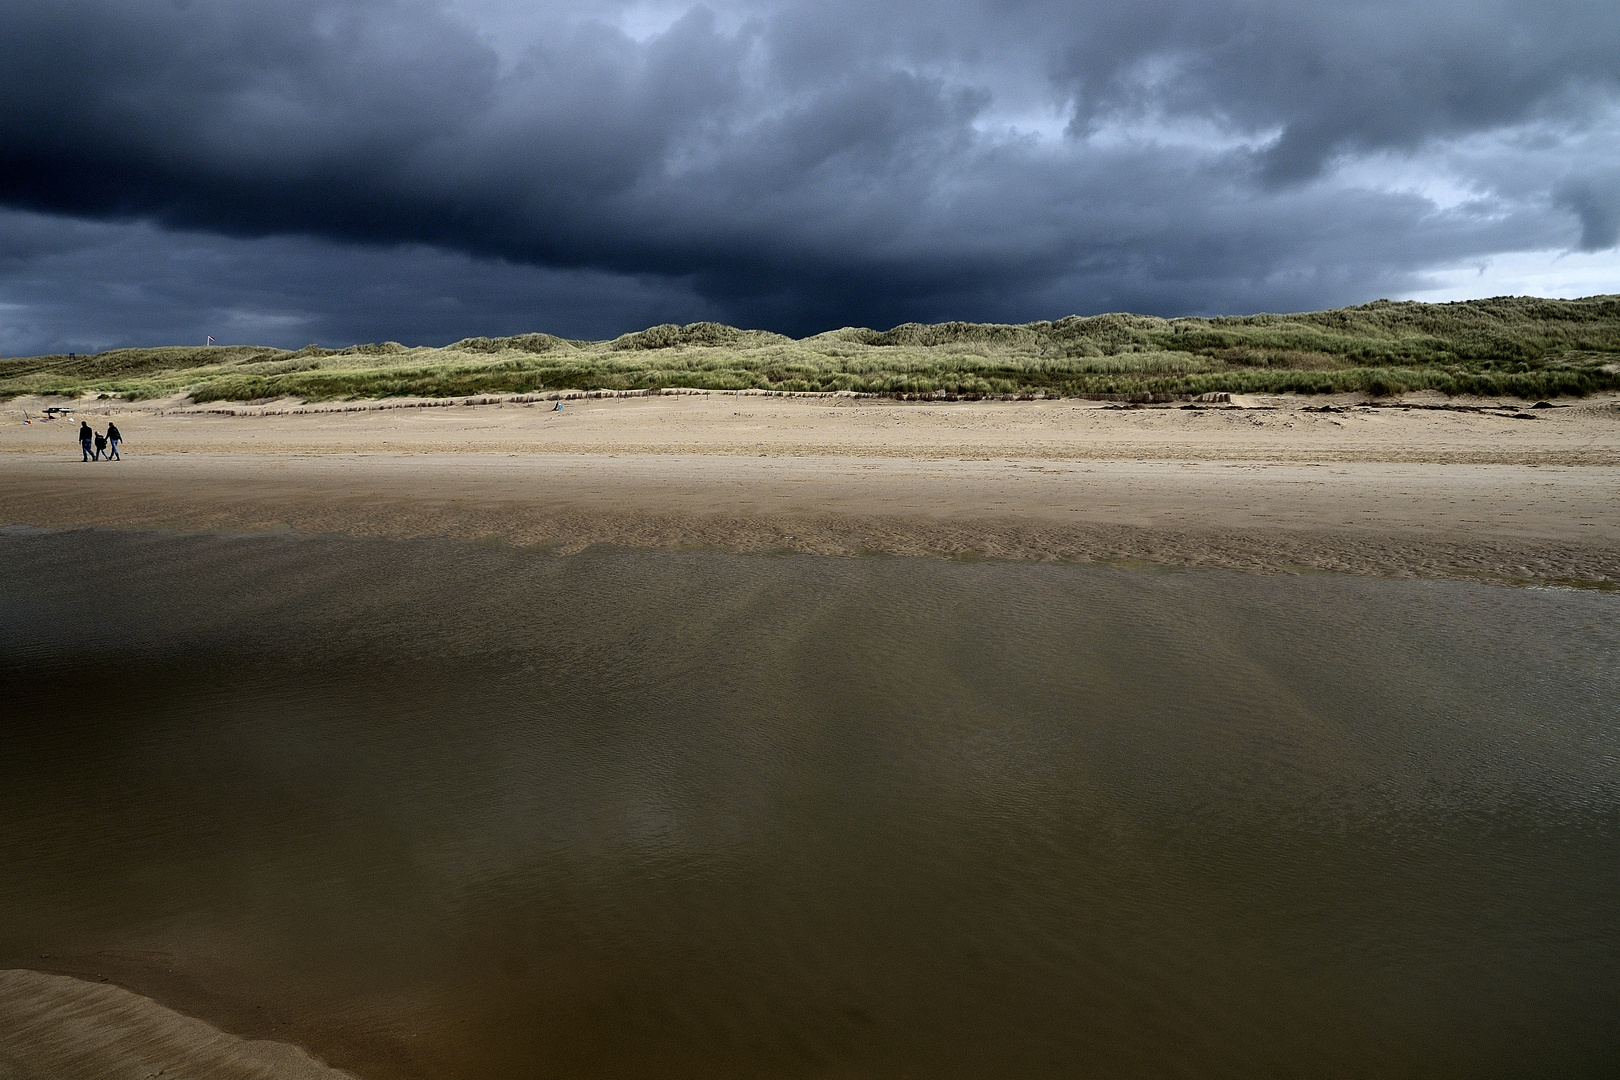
<point>53,1027</point>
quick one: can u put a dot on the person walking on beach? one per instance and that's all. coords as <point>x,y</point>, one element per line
<point>113,439</point>
<point>101,447</point>
<point>85,435</point>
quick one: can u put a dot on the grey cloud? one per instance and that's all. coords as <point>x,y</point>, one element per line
<point>1597,204</point>
<point>1335,78</point>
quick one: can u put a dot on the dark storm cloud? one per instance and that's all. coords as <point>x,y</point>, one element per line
<point>802,165</point>
<point>85,286</point>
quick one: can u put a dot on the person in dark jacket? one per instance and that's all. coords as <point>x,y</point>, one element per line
<point>101,446</point>
<point>85,435</point>
<point>113,439</point>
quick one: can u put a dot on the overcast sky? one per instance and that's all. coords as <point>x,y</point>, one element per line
<point>287,171</point>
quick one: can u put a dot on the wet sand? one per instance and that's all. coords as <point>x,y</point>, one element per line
<point>1424,486</point>
<point>61,1028</point>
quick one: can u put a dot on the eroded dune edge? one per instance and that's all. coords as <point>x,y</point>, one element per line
<point>54,1027</point>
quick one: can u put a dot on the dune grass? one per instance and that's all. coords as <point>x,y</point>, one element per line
<point>1509,346</point>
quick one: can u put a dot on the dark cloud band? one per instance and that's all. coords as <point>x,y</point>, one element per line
<point>806,165</point>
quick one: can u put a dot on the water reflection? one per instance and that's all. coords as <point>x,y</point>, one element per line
<point>453,810</point>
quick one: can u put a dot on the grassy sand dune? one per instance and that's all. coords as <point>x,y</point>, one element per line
<point>1513,346</point>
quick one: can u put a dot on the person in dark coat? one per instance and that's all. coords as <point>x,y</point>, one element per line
<point>85,436</point>
<point>101,446</point>
<point>113,439</point>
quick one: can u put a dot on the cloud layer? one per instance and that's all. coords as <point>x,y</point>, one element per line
<point>790,165</point>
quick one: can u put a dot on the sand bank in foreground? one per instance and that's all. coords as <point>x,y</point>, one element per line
<point>1378,489</point>
<point>53,1027</point>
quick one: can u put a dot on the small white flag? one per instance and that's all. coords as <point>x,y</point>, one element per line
<point>210,339</point>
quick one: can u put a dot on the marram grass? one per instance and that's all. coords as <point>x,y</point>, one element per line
<point>1510,346</point>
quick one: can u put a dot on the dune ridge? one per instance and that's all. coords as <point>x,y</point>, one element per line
<point>1525,347</point>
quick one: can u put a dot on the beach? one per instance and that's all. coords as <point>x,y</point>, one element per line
<point>1419,485</point>
<point>735,736</point>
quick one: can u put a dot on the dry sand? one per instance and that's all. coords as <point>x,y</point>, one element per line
<point>1426,485</point>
